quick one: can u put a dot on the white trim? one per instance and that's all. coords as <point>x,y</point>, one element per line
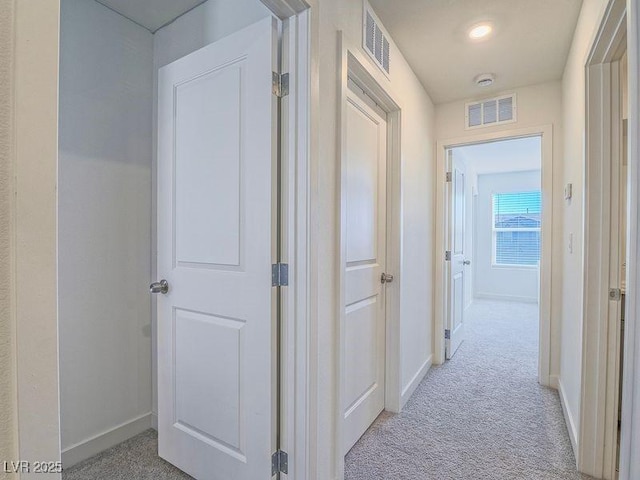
<point>568,415</point>
<point>98,443</point>
<point>296,387</point>
<point>630,440</point>
<point>415,381</point>
<point>597,436</point>
<point>546,134</point>
<point>505,298</point>
<point>352,66</point>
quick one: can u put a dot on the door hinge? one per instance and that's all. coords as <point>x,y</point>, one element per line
<point>279,463</point>
<point>615,294</point>
<point>447,334</point>
<point>449,177</point>
<point>280,84</point>
<point>279,275</point>
<point>447,255</point>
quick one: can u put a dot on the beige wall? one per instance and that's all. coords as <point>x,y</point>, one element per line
<point>418,198</point>
<point>8,438</point>
<point>573,111</point>
<point>538,105</point>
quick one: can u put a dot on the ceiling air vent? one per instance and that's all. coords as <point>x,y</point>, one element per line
<point>376,39</point>
<point>492,111</point>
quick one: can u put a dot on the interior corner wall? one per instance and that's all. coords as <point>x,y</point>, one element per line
<point>8,394</point>
<point>104,209</point>
<point>537,105</point>
<point>201,26</point>
<point>574,121</point>
<point>501,282</point>
<point>418,206</point>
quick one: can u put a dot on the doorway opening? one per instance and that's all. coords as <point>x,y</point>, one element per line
<point>495,231</point>
<point>535,277</point>
<point>182,149</point>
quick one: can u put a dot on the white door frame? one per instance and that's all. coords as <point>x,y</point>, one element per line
<point>545,132</point>
<point>34,251</point>
<point>297,390</point>
<point>353,65</point>
<point>596,454</point>
<point>630,441</point>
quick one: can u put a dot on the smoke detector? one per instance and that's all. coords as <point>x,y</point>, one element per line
<point>484,79</point>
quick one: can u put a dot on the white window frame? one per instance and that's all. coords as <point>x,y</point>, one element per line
<point>494,236</point>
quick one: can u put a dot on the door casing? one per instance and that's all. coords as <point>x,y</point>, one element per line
<point>352,66</point>
<point>597,438</point>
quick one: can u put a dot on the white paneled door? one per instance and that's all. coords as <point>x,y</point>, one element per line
<point>216,343</point>
<point>363,345</point>
<point>454,333</point>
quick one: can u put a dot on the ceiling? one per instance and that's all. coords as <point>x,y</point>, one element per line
<point>151,14</point>
<point>529,44</point>
<point>517,155</point>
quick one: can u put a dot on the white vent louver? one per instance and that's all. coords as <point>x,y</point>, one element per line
<point>375,41</point>
<point>492,111</point>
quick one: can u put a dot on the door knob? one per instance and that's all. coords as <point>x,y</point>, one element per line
<point>159,287</point>
<point>466,262</point>
<point>386,278</point>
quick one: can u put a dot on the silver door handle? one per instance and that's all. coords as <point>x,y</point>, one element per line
<point>159,287</point>
<point>386,278</point>
<point>466,262</point>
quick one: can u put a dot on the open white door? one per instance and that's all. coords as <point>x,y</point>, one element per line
<point>363,347</point>
<point>216,342</point>
<point>454,333</point>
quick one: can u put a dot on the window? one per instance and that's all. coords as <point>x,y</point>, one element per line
<point>516,228</point>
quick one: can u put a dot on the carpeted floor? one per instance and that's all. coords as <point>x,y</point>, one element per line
<point>481,415</point>
<point>135,459</point>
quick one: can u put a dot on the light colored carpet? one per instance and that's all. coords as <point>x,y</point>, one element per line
<point>482,415</point>
<point>137,458</point>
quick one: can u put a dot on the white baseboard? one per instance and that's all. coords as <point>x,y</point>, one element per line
<point>94,445</point>
<point>554,381</point>
<point>505,298</point>
<point>415,381</point>
<point>568,418</point>
<point>154,420</point>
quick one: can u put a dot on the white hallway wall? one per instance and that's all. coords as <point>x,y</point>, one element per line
<point>501,282</point>
<point>418,201</point>
<point>104,209</point>
<point>574,120</point>
<point>538,105</point>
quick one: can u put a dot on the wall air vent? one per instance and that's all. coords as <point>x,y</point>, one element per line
<point>492,111</point>
<point>376,39</point>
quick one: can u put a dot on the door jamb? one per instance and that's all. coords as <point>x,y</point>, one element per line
<point>630,439</point>
<point>441,291</point>
<point>601,325</point>
<point>296,332</point>
<point>353,65</point>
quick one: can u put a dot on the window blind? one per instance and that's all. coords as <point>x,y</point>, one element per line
<point>516,228</point>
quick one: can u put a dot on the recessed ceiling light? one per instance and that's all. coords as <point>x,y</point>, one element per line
<point>484,79</point>
<point>480,31</point>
